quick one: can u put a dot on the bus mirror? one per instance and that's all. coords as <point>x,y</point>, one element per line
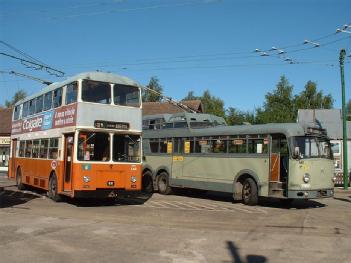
<point>296,152</point>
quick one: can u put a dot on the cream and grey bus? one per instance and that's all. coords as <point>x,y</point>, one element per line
<point>199,151</point>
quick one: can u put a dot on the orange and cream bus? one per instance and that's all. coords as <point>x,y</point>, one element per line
<point>79,138</point>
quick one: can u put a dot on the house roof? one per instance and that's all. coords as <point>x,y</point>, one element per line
<point>153,108</point>
<point>329,119</point>
<point>5,121</point>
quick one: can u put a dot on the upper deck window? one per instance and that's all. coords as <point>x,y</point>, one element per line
<point>126,95</point>
<point>16,112</point>
<point>71,93</point>
<point>95,91</point>
<point>25,109</point>
<point>57,99</point>
<point>31,107</point>
<point>48,101</point>
<point>39,104</point>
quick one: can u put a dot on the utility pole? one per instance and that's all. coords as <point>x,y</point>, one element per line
<point>344,130</point>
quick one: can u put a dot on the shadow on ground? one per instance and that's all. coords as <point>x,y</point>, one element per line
<point>264,201</point>
<point>10,198</point>
<point>125,200</point>
<point>236,258</point>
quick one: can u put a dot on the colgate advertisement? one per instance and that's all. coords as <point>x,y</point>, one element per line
<point>57,118</point>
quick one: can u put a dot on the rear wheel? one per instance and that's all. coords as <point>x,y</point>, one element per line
<point>53,190</point>
<point>19,183</point>
<point>249,192</point>
<point>163,184</point>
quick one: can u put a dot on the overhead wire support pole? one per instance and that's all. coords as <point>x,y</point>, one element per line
<point>344,130</point>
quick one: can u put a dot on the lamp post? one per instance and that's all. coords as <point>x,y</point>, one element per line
<point>344,130</point>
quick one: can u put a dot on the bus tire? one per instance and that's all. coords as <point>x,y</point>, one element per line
<point>163,184</point>
<point>53,191</point>
<point>20,185</point>
<point>147,183</point>
<point>249,192</point>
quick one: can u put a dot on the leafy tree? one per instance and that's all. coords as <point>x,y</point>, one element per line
<point>19,95</point>
<point>279,104</point>
<point>191,96</point>
<point>235,116</point>
<point>212,105</point>
<point>309,98</point>
<point>150,96</point>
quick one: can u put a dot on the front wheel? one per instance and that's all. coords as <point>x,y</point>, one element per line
<point>249,192</point>
<point>53,190</point>
<point>163,184</point>
<point>147,183</point>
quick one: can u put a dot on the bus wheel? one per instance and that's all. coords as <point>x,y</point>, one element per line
<point>147,183</point>
<point>19,183</point>
<point>163,184</point>
<point>249,194</point>
<point>52,193</point>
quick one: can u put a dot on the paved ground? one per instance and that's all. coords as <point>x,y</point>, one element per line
<point>178,228</point>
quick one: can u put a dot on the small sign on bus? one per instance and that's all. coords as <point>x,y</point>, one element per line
<point>111,125</point>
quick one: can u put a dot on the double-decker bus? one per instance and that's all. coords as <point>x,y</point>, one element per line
<point>199,151</point>
<point>79,138</point>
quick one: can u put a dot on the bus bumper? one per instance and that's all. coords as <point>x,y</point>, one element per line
<point>311,194</point>
<point>105,193</point>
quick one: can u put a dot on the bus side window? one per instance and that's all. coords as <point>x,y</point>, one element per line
<point>21,148</point>
<point>35,149</point>
<point>16,112</point>
<point>154,145</point>
<point>57,99</point>
<point>53,148</point>
<point>25,109</point>
<point>48,101</point>
<point>43,151</point>
<point>31,107</point>
<point>39,104</point>
<point>28,151</point>
<point>163,145</point>
<point>237,145</point>
<point>71,93</point>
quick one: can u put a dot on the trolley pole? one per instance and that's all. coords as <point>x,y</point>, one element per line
<point>344,130</point>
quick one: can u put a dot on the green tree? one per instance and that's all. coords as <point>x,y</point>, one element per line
<point>19,95</point>
<point>278,105</point>
<point>212,105</point>
<point>150,96</point>
<point>310,98</point>
<point>237,117</point>
<point>191,96</point>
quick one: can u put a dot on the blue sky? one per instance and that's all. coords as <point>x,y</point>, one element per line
<point>188,44</point>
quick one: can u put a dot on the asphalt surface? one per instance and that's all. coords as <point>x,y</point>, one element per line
<point>185,227</point>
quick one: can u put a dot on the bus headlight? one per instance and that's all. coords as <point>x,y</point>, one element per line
<point>133,179</point>
<point>334,179</point>
<point>306,178</point>
<point>86,179</point>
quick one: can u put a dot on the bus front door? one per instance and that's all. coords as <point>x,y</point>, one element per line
<point>68,160</point>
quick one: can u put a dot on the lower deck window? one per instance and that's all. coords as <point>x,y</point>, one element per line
<point>126,148</point>
<point>94,146</point>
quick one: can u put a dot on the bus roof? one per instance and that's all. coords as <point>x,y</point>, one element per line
<point>288,129</point>
<point>188,117</point>
<point>98,76</point>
